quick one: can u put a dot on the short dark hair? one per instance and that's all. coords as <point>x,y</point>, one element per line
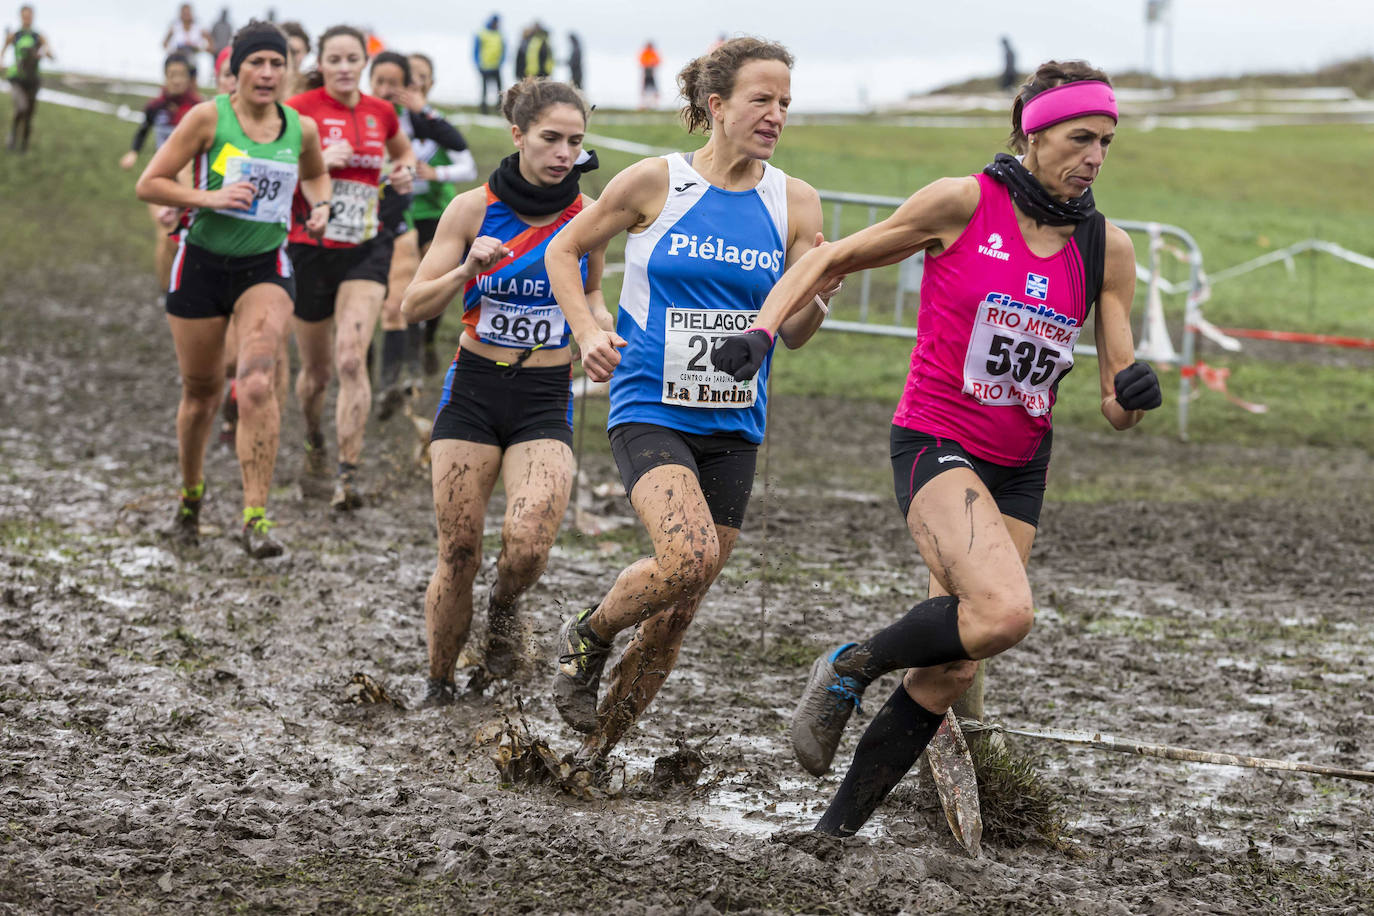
<point>293,29</point>
<point>398,60</point>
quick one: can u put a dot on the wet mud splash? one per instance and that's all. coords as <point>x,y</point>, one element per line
<point>183,731</point>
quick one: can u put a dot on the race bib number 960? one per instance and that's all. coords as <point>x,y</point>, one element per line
<point>689,379</point>
<point>509,325</point>
<point>273,184</point>
<point>352,212</point>
<point>1016,357</point>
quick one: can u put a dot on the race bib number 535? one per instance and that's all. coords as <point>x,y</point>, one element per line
<point>1016,357</point>
<point>689,379</point>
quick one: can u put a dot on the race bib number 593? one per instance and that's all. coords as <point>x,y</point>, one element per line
<point>1016,357</point>
<point>689,379</point>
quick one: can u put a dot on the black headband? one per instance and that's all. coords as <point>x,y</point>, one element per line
<point>266,40</point>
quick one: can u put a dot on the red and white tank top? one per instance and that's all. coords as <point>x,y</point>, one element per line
<point>366,127</point>
<point>996,331</point>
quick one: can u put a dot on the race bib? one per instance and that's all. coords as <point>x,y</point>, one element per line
<point>273,182</point>
<point>508,325</point>
<point>1016,357</point>
<point>352,212</point>
<point>689,379</point>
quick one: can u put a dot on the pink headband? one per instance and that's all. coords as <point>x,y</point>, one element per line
<point>222,57</point>
<point>1067,101</point>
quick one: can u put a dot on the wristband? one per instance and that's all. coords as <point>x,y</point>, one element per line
<point>763,329</point>
<point>822,305</point>
<point>321,203</point>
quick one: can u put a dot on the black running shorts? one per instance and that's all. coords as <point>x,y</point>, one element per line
<point>500,405</point>
<point>426,229</point>
<point>320,271</point>
<point>723,464</point>
<point>207,285</point>
<point>917,458</point>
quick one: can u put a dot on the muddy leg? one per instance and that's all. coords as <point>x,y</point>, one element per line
<point>199,346</point>
<point>261,316</point>
<point>642,669</point>
<point>359,302</point>
<point>314,342</point>
<point>464,474</point>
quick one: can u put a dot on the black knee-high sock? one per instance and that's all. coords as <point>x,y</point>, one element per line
<point>887,750</point>
<point>926,635</point>
<point>432,328</point>
<point>414,341</point>
<point>393,353</point>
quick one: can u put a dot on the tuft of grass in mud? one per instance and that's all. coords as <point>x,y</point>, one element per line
<point>1019,807</point>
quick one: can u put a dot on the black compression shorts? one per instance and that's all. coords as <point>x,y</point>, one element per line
<point>917,458</point>
<point>723,464</point>
<point>320,271</point>
<point>207,285</point>
<point>498,405</point>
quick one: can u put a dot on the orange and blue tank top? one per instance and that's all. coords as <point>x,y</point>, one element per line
<point>512,305</point>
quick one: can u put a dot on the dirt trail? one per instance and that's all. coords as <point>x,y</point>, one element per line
<point>179,731</point>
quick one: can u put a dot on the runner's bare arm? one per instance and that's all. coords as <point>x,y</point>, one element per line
<point>632,199</point>
<point>193,136</point>
<point>933,216</point>
<point>402,177</point>
<point>804,214</point>
<point>315,184</point>
<point>1112,326</point>
<point>596,267</point>
<point>444,271</point>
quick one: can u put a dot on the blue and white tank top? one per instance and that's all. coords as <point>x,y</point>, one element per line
<point>697,275</point>
<point>512,304</point>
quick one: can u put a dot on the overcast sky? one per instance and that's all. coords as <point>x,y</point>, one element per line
<point>875,50</point>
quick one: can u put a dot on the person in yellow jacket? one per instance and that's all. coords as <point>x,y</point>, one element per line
<point>489,53</point>
<point>534,57</point>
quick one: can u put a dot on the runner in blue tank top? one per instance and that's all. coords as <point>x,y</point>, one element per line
<point>709,235</point>
<point>506,407</point>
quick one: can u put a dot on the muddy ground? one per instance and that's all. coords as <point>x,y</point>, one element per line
<point>178,732</point>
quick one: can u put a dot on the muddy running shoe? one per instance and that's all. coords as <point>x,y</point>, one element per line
<point>391,401</point>
<point>316,461</point>
<point>439,692</point>
<point>185,526</point>
<point>582,655</point>
<point>345,498</point>
<point>256,536</point>
<point>825,707</point>
<point>503,637</point>
<point>228,430</point>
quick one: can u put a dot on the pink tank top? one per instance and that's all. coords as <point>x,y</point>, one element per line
<point>995,335</point>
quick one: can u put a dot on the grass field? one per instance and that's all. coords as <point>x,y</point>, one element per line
<point>1239,194</point>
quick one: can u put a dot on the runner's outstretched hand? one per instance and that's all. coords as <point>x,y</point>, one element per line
<point>1137,387</point>
<point>741,355</point>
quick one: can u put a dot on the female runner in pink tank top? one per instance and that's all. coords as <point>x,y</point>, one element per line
<point>1016,257</point>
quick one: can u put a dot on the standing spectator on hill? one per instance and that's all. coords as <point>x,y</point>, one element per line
<point>534,57</point>
<point>575,60</point>
<point>29,46</point>
<point>1008,80</point>
<point>489,53</point>
<point>221,33</point>
<point>649,60</point>
<point>185,36</point>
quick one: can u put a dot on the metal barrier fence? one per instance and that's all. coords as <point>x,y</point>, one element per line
<point>1154,342</point>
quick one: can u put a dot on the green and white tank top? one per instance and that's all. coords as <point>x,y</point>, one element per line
<point>271,167</point>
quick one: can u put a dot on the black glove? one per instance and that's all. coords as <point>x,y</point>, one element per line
<point>1137,387</point>
<point>742,355</point>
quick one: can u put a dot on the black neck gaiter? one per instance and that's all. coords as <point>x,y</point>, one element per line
<point>1032,199</point>
<point>528,199</point>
